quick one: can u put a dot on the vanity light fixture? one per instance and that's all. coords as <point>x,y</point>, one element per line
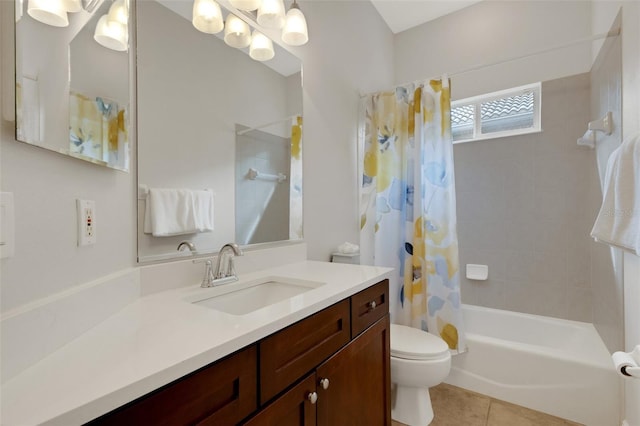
<point>246,5</point>
<point>261,47</point>
<point>118,12</point>
<point>111,34</point>
<point>237,32</point>
<point>50,12</point>
<point>295,27</point>
<point>207,16</point>
<point>271,14</point>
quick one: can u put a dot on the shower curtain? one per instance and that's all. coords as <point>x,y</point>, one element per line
<point>407,205</point>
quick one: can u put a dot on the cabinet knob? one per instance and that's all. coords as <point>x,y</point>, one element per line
<point>312,397</point>
<point>372,304</point>
<point>324,383</point>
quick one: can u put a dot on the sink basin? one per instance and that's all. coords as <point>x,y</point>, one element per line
<point>244,298</point>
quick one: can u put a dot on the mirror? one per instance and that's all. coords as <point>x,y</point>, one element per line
<point>211,118</point>
<point>72,92</point>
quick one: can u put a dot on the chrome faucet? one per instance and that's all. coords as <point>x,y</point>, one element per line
<point>187,244</point>
<point>218,272</point>
<point>216,276</point>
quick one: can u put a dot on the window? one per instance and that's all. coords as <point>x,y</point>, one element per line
<point>494,115</point>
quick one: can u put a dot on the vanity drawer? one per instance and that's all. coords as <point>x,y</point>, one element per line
<point>369,306</point>
<point>289,354</point>
<point>222,393</point>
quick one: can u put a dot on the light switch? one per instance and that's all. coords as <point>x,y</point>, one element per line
<point>7,225</point>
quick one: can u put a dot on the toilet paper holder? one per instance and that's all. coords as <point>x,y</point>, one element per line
<point>628,363</point>
<point>631,371</point>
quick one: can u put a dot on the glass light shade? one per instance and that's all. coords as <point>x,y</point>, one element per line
<point>271,14</point>
<point>50,12</point>
<point>111,34</point>
<point>72,6</point>
<point>119,12</point>
<point>237,32</point>
<point>261,47</point>
<point>207,16</point>
<point>295,28</point>
<point>247,5</point>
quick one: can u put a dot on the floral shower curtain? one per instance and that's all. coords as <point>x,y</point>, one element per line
<point>407,205</point>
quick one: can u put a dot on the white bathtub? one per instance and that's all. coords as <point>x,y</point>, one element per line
<point>556,366</point>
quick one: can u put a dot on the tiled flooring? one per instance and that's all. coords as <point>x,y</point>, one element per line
<point>453,406</point>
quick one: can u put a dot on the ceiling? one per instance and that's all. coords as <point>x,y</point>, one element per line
<point>400,15</point>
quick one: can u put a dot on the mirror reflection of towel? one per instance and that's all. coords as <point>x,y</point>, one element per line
<point>618,222</point>
<point>178,211</point>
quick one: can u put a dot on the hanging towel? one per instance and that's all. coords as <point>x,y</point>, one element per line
<point>178,211</point>
<point>618,222</point>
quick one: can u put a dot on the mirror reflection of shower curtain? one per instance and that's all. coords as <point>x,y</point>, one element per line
<point>295,181</point>
<point>407,205</point>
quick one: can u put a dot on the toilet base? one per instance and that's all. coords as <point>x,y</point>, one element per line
<point>412,406</point>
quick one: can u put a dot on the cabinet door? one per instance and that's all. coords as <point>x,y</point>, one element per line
<point>296,407</point>
<point>359,382</point>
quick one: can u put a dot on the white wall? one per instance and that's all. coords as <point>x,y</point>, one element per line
<point>492,31</point>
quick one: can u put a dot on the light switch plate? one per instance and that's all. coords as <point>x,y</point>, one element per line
<point>7,225</point>
<point>86,222</point>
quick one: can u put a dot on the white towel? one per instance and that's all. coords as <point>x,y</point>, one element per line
<point>178,211</point>
<point>618,222</point>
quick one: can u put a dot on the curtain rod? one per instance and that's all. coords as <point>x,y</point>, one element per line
<point>262,126</point>
<point>612,33</point>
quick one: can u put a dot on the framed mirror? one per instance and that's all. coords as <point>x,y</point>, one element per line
<point>72,78</point>
<point>213,120</point>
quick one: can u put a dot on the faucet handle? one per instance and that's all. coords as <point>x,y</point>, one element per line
<point>231,270</point>
<point>207,280</point>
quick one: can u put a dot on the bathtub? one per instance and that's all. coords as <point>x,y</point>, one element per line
<point>556,366</point>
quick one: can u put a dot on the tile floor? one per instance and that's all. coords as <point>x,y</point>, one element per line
<point>453,406</point>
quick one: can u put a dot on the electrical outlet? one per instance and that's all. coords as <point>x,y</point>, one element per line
<point>86,222</point>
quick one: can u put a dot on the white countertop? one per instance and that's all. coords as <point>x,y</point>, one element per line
<point>160,338</point>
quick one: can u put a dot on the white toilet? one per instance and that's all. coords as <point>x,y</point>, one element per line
<point>419,360</point>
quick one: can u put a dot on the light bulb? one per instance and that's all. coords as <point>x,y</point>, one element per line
<point>207,16</point>
<point>118,12</point>
<point>271,14</point>
<point>261,47</point>
<point>111,34</point>
<point>295,27</point>
<point>237,32</point>
<point>50,12</point>
<point>247,5</point>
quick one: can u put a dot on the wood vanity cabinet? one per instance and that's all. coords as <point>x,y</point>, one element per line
<point>349,386</point>
<point>330,369</point>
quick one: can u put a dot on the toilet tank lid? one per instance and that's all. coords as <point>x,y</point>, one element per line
<point>413,343</point>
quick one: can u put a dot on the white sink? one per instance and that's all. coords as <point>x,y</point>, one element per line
<point>244,298</point>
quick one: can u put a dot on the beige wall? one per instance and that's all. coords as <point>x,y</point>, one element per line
<point>521,204</point>
<point>606,262</point>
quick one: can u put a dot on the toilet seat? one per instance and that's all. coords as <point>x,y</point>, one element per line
<point>414,344</point>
